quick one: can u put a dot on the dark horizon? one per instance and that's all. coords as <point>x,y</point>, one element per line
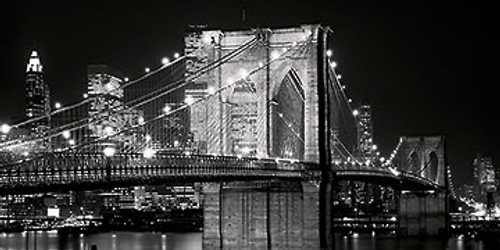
<point>426,68</point>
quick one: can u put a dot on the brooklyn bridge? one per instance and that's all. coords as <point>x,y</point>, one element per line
<point>259,117</point>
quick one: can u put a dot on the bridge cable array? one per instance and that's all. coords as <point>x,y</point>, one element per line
<point>140,101</point>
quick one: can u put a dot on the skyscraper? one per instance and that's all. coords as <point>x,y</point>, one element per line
<point>365,132</point>
<point>485,181</point>
<point>104,87</point>
<point>37,95</point>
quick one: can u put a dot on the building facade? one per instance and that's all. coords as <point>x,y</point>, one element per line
<point>486,183</point>
<point>366,147</point>
<point>106,95</point>
<point>37,96</point>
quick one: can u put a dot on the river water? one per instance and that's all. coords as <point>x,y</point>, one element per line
<point>44,240</point>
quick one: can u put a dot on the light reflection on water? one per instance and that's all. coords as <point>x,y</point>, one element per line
<point>368,242</point>
<point>103,241</point>
<point>192,241</point>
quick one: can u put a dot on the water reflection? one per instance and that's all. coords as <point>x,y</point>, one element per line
<point>104,241</point>
<point>51,240</point>
<point>369,242</point>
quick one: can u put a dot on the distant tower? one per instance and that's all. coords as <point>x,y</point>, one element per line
<point>37,95</point>
<point>485,181</point>
<point>365,132</point>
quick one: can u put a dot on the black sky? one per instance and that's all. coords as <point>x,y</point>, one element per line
<point>426,67</point>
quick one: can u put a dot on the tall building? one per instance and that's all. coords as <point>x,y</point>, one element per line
<point>107,96</point>
<point>365,132</point>
<point>37,95</point>
<point>485,183</point>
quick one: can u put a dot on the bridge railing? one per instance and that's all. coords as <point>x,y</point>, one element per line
<point>63,169</point>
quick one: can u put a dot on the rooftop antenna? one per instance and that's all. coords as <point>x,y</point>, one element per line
<point>244,11</point>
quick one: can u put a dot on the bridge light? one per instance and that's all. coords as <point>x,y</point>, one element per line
<point>165,61</point>
<point>261,64</point>
<point>245,150</point>
<point>71,142</point>
<point>206,39</point>
<point>374,147</point>
<point>176,143</point>
<point>189,100</point>
<point>211,90</point>
<point>382,159</point>
<point>66,134</point>
<point>394,171</point>
<point>333,64</point>
<point>109,151</point>
<point>177,55</point>
<point>275,55</point>
<point>57,105</point>
<point>109,86</point>
<point>148,153</point>
<point>5,128</point>
<point>85,96</point>
<point>339,76</point>
<point>329,53</point>
<point>355,112</point>
<point>126,79</point>
<point>140,120</point>
<point>243,73</point>
<point>108,130</point>
<point>166,109</point>
<point>147,70</point>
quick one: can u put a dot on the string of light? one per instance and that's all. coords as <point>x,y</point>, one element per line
<point>173,111</point>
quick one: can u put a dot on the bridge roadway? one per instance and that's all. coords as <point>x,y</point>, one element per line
<point>66,171</point>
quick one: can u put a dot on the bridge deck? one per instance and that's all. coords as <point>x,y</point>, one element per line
<point>62,171</point>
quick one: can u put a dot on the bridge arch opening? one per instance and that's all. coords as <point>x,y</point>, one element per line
<point>414,163</point>
<point>433,166</point>
<point>243,125</point>
<point>287,117</point>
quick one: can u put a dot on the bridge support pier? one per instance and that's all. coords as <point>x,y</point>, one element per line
<point>422,213</point>
<point>261,215</point>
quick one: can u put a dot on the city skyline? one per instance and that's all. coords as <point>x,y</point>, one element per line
<point>428,70</point>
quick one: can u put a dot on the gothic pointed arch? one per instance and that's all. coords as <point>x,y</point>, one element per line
<point>414,164</point>
<point>433,166</point>
<point>287,117</point>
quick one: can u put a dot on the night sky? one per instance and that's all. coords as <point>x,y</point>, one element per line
<point>426,67</point>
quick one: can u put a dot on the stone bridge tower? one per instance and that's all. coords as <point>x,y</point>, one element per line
<point>268,107</point>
